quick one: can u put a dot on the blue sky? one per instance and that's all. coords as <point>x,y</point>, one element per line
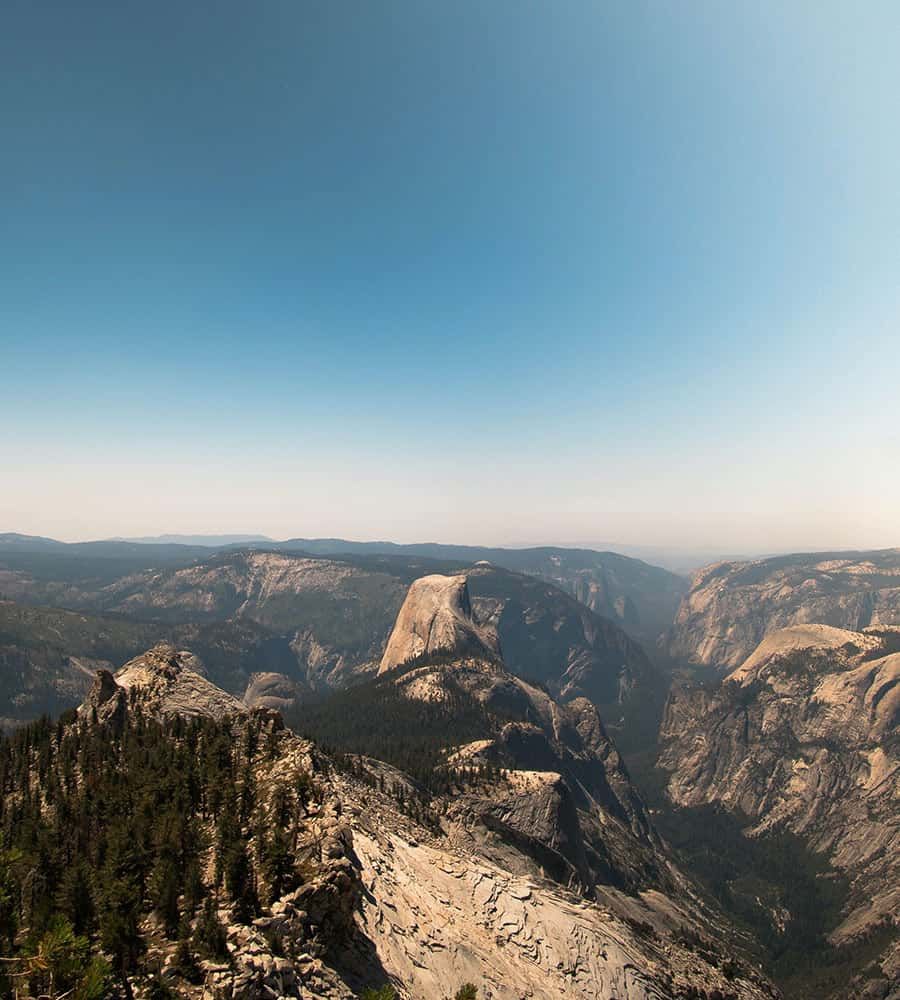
<point>498,272</point>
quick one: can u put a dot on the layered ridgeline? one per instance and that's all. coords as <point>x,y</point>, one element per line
<point>167,841</point>
<point>640,597</point>
<point>804,738</point>
<point>317,623</point>
<point>732,606</point>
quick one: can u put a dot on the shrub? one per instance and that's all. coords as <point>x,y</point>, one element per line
<point>383,993</point>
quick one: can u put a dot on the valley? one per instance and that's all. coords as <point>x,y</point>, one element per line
<point>452,711</point>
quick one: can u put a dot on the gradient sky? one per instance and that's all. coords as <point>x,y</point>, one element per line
<point>491,272</point>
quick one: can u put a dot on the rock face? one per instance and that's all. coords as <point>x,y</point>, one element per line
<point>165,682</point>
<point>548,636</point>
<point>439,918</point>
<point>322,622</point>
<point>271,690</point>
<point>732,606</point>
<point>469,887</point>
<point>436,617</point>
<point>566,807</point>
<point>804,736</point>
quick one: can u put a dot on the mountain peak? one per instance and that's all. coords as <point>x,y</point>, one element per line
<point>436,617</point>
<point>164,681</point>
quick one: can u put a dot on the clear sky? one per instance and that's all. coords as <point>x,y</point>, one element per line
<point>497,271</point>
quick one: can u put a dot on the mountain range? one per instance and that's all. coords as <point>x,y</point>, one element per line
<point>668,765</point>
<point>804,736</point>
<point>318,622</point>
<point>523,862</point>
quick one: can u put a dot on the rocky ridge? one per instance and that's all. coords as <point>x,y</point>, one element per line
<point>472,894</point>
<point>164,682</point>
<point>732,606</point>
<point>805,736</point>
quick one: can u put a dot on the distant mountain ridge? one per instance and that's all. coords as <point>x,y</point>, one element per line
<point>321,623</point>
<point>640,597</point>
<point>211,541</point>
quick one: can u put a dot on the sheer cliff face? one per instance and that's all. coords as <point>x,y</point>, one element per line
<point>436,617</point>
<point>569,807</point>
<point>804,735</point>
<point>548,636</point>
<point>732,606</point>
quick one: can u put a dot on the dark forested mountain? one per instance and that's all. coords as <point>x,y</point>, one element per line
<point>208,541</point>
<point>48,656</point>
<point>165,841</point>
<point>44,571</point>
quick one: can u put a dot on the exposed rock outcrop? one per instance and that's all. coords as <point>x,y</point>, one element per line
<point>459,889</point>
<point>271,690</point>
<point>804,736</point>
<point>436,617</point>
<point>732,606</point>
<point>569,808</point>
<point>165,682</point>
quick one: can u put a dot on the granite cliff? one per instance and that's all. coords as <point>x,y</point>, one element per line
<point>805,736</point>
<point>732,606</point>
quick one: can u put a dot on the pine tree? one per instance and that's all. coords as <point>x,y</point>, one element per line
<point>164,892</point>
<point>77,897</point>
<point>193,886</point>
<point>277,864</point>
<point>184,961</point>
<point>209,934</point>
<point>238,874</point>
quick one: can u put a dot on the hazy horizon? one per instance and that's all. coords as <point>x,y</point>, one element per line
<point>488,274</point>
<point>665,553</point>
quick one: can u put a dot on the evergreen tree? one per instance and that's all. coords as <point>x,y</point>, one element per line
<point>239,882</point>
<point>164,892</point>
<point>77,897</point>
<point>278,864</point>
<point>184,961</point>
<point>209,934</point>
